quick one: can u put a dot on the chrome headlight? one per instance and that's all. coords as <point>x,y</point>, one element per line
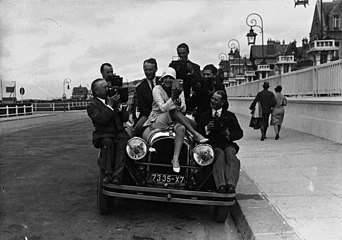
<point>203,154</point>
<point>136,148</point>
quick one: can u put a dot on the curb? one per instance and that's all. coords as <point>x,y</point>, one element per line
<point>255,216</point>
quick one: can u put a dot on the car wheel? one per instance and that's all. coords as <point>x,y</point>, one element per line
<point>105,203</point>
<point>220,213</point>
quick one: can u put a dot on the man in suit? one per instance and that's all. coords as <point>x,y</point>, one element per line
<point>144,94</point>
<point>108,117</point>
<point>107,73</point>
<point>204,89</point>
<point>222,128</point>
<point>186,70</point>
<point>106,70</point>
<point>267,102</point>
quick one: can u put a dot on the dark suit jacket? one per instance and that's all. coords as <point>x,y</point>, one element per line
<point>189,79</point>
<point>266,99</point>
<point>218,137</point>
<point>107,123</point>
<point>144,97</point>
<point>197,72</point>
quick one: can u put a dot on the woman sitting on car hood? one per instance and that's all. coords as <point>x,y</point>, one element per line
<point>167,107</point>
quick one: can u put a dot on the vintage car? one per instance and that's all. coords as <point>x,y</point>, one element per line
<point>149,176</point>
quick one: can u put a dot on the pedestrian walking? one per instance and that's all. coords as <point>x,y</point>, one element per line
<point>267,102</point>
<point>278,111</point>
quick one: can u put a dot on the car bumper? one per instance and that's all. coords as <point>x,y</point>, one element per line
<point>169,195</point>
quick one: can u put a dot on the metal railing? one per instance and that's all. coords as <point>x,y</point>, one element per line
<point>17,110</point>
<point>324,79</point>
<point>60,106</point>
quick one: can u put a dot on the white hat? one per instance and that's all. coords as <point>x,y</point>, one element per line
<point>169,71</point>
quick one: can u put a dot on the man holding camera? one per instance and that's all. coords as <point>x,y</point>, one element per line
<point>203,90</point>
<point>186,70</point>
<point>222,128</point>
<point>108,117</point>
<point>106,70</point>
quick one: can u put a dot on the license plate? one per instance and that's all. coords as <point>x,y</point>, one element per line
<point>166,178</point>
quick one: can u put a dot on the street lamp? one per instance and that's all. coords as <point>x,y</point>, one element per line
<point>251,36</point>
<point>234,44</point>
<point>66,81</point>
<point>301,2</point>
<point>222,57</point>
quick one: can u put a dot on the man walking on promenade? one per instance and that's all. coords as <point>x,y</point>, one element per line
<point>267,102</point>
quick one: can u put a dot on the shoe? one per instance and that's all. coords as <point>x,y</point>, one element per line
<point>222,189</point>
<point>277,136</point>
<point>262,138</point>
<point>116,180</point>
<point>230,188</point>
<point>200,139</point>
<point>175,166</point>
<point>107,179</point>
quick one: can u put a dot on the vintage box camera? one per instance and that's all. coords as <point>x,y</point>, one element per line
<point>115,87</point>
<point>115,80</point>
<point>181,68</point>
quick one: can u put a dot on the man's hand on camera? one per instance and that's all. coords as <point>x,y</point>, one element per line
<point>178,102</point>
<point>189,68</point>
<point>114,101</point>
<point>211,126</point>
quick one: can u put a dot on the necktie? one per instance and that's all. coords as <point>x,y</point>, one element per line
<point>216,114</point>
<point>152,85</point>
<point>106,101</point>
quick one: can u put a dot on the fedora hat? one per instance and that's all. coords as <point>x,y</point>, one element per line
<point>266,85</point>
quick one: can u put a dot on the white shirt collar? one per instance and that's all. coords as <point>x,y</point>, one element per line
<point>149,82</point>
<point>219,112</point>
<point>102,100</point>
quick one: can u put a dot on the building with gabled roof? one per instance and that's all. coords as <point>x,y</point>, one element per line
<point>80,93</point>
<point>327,24</point>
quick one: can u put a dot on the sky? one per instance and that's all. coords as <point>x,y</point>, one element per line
<point>44,42</point>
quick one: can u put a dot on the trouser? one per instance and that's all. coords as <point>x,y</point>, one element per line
<point>226,169</point>
<point>113,155</point>
<point>139,128</point>
<point>264,123</point>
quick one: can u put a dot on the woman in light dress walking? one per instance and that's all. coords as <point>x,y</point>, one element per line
<point>278,111</point>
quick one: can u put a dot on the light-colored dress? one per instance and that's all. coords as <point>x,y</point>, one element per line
<point>161,105</point>
<point>278,110</point>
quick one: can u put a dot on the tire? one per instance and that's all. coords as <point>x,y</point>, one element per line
<point>220,213</point>
<point>105,203</point>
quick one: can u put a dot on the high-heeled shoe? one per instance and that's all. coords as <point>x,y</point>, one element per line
<point>175,166</point>
<point>200,139</point>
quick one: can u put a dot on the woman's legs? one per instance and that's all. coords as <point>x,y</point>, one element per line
<point>180,133</point>
<point>276,130</point>
<point>180,118</point>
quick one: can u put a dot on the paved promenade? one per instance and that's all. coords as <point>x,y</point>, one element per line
<point>299,178</point>
<point>288,189</point>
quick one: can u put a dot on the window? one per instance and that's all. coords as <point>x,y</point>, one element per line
<point>336,22</point>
